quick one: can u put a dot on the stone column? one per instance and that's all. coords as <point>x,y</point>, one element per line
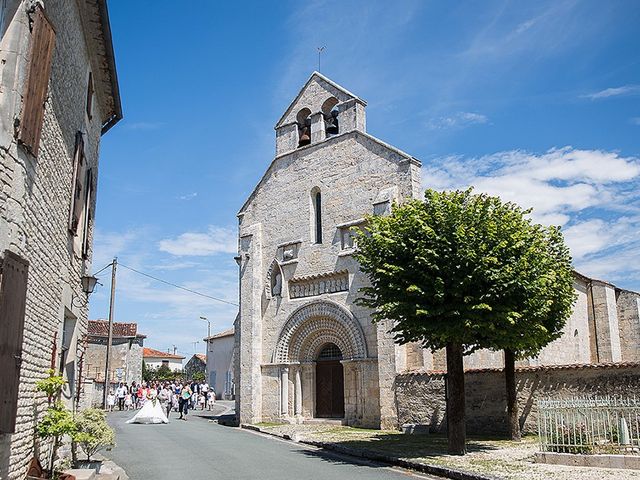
<point>317,128</point>
<point>284,391</point>
<point>298,392</point>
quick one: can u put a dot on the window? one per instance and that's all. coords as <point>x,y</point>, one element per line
<point>316,199</point>
<point>43,39</point>
<point>330,352</point>
<point>89,95</point>
<point>87,213</point>
<point>165,363</point>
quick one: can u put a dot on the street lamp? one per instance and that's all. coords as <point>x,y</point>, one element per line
<point>208,327</point>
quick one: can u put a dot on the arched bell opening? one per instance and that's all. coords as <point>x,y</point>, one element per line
<point>329,382</point>
<point>330,114</point>
<point>304,127</point>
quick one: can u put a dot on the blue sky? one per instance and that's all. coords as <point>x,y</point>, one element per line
<point>538,102</point>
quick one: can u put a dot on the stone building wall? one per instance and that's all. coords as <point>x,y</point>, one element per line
<point>126,358</point>
<point>420,397</point>
<point>35,198</point>
<point>628,304</point>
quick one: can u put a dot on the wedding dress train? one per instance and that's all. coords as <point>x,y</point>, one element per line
<point>151,412</point>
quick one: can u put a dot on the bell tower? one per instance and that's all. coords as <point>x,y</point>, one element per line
<point>321,110</point>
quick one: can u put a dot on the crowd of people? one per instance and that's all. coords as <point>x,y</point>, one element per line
<point>177,396</point>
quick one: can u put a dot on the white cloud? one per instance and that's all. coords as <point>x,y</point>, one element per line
<point>456,120</point>
<point>215,240</point>
<point>595,194</point>
<point>615,92</point>
<point>188,196</point>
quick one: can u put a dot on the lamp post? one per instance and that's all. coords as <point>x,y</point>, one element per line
<point>207,345</point>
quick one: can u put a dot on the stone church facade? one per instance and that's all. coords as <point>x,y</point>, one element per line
<point>306,351</point>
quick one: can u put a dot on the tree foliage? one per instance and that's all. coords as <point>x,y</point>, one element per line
<point>92,431</point>
<point>198,376</point>
<point>56,422</point>
<point>466,268</point>
<point>52,385</point>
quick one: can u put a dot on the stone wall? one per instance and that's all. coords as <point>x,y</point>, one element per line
<point>125,362</point>
<point>34,209</point>
<point>629,321</point>
<point>420,397</point>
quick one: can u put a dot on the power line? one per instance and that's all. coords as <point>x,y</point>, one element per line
<point>178,286</point>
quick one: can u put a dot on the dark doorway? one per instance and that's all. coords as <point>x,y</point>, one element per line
<point>329,383</point>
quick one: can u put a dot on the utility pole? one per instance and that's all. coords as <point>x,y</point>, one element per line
<point>114,265</point>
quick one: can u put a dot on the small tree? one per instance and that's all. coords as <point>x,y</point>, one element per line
<point>444,271</point>
<point>57,420</point>
<point>92,431</point>
<point>198,377</point>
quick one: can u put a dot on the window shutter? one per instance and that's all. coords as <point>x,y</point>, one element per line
<point>13,295</point>
<point>87,214</point>
<point>43,39</point>
<point>77,185</point>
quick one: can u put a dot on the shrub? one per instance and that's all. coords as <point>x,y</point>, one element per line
<point>92,431</point>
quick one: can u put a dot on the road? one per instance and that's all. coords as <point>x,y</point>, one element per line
<point>201,449</point>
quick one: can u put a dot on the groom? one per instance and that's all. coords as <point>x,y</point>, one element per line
<point>183,402</point>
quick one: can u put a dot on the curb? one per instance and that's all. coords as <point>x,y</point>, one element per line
<point>437,470</point>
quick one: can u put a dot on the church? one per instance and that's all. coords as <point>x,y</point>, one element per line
<point>305,351</point>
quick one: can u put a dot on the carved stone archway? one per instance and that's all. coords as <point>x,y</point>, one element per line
<point>315,324</point>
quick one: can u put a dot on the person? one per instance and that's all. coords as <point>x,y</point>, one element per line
<point>128,402</point>
<point>121,391</point>
<point>152,411</point>
<point>204,389</point>
<point>111,400</point>
<point>202,400</point>
<point>165,396</point>
<point>211,397</point>
<point>185,397</point>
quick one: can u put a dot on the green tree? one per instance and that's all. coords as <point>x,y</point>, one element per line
<point>55,424</point>
<point>445,270</point>
<point>198,376</point>
<point>163,373</point>
<point>92,431</point>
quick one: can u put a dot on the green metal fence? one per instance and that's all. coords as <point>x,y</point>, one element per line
<point>590,425</point>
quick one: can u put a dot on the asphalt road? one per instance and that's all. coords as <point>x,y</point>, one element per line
<point>199,449</point>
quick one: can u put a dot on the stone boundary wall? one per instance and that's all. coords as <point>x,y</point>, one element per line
<point>420,396</point>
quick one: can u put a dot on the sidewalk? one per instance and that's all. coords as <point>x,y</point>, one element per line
<point>487,458</point>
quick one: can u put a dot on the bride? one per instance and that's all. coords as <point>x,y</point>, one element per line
<point>152,411</point>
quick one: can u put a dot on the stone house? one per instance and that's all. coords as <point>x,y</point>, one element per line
<point>196,364</point>
<point>220,361</point>
<point>305,350</point>
<point>154,359</point>
<point>58,96</point>
<point>125,363</point>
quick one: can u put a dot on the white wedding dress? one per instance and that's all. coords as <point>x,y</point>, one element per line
<point>151,412</point>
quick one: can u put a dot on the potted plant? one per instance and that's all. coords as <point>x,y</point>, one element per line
<point>57,420</point>
<point>92,433</point>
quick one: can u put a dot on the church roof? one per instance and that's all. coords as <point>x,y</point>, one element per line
<point>317,76</point>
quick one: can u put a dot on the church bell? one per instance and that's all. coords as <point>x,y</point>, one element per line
<point>305,136</point>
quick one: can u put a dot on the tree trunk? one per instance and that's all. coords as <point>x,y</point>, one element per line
<point>512,399</point>
<point>456,430</point>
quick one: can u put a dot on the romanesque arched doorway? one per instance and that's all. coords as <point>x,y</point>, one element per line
<point>329,383</point>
